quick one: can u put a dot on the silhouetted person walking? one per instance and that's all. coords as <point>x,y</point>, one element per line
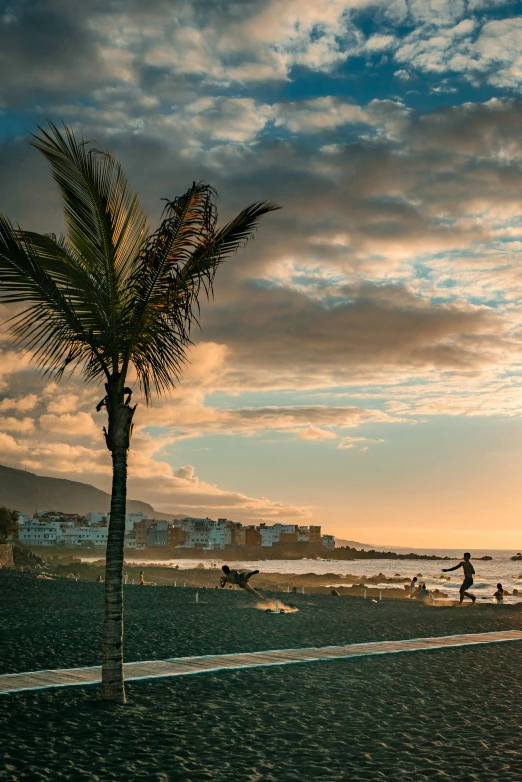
<point>469,572</point>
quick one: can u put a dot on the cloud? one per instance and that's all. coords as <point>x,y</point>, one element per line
<point>22,404</point>
<point>352,328</point>
<point>356,443</point>
<point>79,424</point>
<point>64,403</point>
<point>315,433</point>
<point>490,55</point>
<point>16,424</point>
<point>182,491</point>
<point>320,115</point>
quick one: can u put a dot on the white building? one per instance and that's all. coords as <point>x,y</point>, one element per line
<point>40,533</point>
<point>197,532</point>
<point>66,526</point>
<point>84,536</point>
<point>131,519</point>
<point>328,541</point>
<point>130,540</point>
<point>217,535</point>
<point>270,535</point>
<point>204,533</point>
<point>98,535</point>
<point>96,517</point>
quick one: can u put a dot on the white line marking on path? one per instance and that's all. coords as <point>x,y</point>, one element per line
<point>210,663</point>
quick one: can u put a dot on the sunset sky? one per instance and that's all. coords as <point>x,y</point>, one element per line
<point>361,364</point>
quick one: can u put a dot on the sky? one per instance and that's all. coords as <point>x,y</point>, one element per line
<point>360,365</point>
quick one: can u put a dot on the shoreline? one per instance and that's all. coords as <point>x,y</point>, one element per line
<point>375,586</point>
<point>234,554</point>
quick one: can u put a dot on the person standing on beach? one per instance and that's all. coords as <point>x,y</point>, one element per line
<point>469,572</point>
<point>142,578</point>
<point>241,579</point>
<point>499,594</point>
<point>413,585</point>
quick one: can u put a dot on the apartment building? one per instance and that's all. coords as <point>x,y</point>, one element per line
<point>39,533</point>
<point>252,537</point>
<point>175,535</point>
<point>328,542</point>
<point>157,534</point>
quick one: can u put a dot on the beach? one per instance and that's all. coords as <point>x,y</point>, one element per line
<point>386,576</point>
<point>451,714</point>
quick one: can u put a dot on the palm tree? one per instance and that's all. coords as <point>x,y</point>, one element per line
<point>109,295</point>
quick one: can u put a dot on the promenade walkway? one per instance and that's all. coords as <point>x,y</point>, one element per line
<point>186,666</point>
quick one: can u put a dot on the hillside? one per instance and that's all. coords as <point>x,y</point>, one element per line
<point>28,492</point>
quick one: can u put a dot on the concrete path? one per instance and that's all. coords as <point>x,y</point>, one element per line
<point>185,666</point>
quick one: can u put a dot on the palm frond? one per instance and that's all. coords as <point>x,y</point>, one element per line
<point>106,224</point>
<point>203,263</point>
<point>188,222</point>
<point>179,260</point>
<point>57,324</point>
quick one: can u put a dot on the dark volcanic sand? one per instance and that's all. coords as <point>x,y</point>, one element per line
<point>451,714</point>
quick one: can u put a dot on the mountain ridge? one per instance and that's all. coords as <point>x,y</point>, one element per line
<point>27,492</point>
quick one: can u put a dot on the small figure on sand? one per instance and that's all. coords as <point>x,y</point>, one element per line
<point>419,590</point>
<point>499,594</point>
<point>142,578</point>
<point>469,572</point>
<point>241,579</point>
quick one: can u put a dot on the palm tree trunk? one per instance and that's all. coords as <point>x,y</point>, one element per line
<point>113,686</point>
<point>118,441</point>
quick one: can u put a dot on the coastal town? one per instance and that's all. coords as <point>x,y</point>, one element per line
<point>71,530</point>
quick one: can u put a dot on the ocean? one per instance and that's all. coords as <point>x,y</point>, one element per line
<point>488,574</point>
